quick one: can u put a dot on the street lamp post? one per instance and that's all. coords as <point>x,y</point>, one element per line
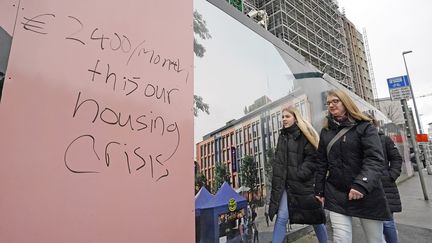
<point>412,92</point>
<point>428,167</point>
<point>415,145</point>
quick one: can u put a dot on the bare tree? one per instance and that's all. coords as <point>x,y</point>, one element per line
<point>393,111</point>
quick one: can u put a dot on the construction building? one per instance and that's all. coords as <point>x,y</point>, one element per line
<point>358,60</point>
<point>323,35</point>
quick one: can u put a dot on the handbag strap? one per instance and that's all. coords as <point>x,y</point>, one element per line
<point>335,138</point>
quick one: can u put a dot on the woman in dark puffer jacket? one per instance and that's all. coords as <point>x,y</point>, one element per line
<point>292,194</point>
<point>349,171</point>
<point>392,170</point>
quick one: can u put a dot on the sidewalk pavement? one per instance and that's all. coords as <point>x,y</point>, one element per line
<point>414,222</point>
<point>265,232</point>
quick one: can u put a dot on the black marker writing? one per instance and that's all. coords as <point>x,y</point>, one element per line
<point>166,63</point>
<point>149,122</point>
<point>37,24</point>
<point>102,38</point>
<point>81,26</point>
<point>132,85</point>
<point>111,41</point>
<point>76,140</point>
<point>133,162</point>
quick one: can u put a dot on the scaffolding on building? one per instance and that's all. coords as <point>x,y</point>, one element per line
<point>313,28</point>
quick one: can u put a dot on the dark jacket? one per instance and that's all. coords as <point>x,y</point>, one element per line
<point>392,170</point>
<point>354,162</point>
<point>293,170</point>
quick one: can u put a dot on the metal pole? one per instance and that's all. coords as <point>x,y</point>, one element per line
<point>416,149</point>
<point>428,167</point>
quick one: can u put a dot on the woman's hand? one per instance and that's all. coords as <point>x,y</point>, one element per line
<point>355,195</point>
<point>321,199</point>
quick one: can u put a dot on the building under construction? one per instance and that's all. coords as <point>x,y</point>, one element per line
<point>358,60</point>
<point>315,29</point>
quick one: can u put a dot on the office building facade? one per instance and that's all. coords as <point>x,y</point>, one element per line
<point>253,135</point>
<point>362,83</point>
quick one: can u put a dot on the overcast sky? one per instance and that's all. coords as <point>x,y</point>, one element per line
<point>394,26</point>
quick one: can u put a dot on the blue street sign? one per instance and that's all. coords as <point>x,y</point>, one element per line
<point>398,82</point>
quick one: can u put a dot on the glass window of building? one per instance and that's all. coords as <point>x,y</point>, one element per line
<point>273,122</point>
<point>258,128</point>
<point>278,119</point>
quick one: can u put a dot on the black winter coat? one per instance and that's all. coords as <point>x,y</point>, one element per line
<point>354,162</point>
<point>293,170</point>
<point>392,170</point>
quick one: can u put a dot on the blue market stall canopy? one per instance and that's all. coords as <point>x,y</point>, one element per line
<point>201,199</point>
<point>224,199</point>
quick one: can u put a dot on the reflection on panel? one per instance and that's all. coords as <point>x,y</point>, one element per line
<point>247,80</point>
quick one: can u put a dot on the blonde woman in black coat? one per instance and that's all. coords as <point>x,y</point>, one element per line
<point>348,176</point>
<point>292,194</point>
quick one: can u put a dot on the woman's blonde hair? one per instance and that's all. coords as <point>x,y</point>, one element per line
<point>306,128</point>
<point>350,107</point>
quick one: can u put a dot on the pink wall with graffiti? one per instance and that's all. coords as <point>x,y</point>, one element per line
<point>97,122</point>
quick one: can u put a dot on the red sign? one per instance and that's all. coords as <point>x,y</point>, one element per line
<point>397,138</point>
<point>422,138</point>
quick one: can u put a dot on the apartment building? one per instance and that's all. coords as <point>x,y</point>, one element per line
<point>254,134</point>
<point>362,82</point>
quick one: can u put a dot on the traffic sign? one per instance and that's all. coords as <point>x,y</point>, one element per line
<point>398,82</point>
<point>399,88</point>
